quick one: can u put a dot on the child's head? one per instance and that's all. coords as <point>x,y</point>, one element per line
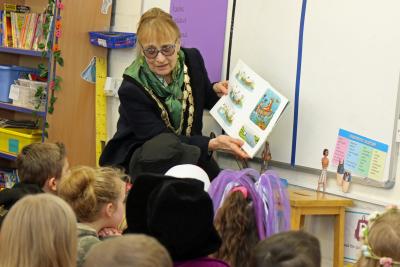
<point>40,230</point>
<point>287,249</point>
<point>235,222</point>
<point>381,240</point>
<point>129,250</point>
<point>95,194</point>
<point>42,164</point>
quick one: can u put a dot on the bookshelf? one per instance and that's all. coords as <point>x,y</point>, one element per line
<point>18,51</point>
<point>12,107</point>
<point>73,120</point>
<point>26,58</point>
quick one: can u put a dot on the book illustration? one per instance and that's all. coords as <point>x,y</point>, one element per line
<point>248,136</point>
<point>250,100</point>
<point>227,113</point>
<point>245,80</point>
<point>265,109</point>
<point>236,96</point>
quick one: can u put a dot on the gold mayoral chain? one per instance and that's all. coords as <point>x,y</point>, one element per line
<point>187,96</point>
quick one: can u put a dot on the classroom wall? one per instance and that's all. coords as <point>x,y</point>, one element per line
<point>127,14</point>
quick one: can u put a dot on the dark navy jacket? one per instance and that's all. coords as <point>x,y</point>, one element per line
<point>140,117</point>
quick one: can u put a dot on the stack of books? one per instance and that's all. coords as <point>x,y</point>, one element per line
<point>20,28</point>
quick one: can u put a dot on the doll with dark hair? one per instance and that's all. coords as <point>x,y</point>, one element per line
<point>287,249</point>
<point>324,172</point>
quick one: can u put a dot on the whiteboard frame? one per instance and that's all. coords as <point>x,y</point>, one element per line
<point>387,184</point>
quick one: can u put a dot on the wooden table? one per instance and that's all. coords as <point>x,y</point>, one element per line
<point>307,202</point>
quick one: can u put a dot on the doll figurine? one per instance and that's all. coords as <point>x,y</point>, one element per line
<point>266,157</point>
<point>346,181</point>
<point>325,164</point>
<point>339,173</point>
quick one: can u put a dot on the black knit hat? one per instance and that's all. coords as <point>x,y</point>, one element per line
<point>161,153</point>
<point>175,211</point>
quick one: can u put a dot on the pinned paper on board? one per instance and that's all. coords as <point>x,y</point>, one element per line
<point>104,7</point>
<point>362,156</point>
<point>89,73</point>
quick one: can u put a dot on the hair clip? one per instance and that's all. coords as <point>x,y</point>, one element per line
<point>241,189</point>
<point>386,261</point>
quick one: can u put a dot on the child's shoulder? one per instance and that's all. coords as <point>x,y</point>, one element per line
<point>87,238</point>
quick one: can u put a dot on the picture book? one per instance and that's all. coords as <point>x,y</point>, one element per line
<point>250,110</point>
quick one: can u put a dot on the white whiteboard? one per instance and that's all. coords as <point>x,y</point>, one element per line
<point>348,44</point>
<point>349,74</point>
<point>265,37</point>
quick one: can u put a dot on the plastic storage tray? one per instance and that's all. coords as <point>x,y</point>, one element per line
<point>12,140</point>
<point>113,39</point>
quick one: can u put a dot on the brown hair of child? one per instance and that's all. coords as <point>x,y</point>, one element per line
<point>235,223</point>
<point>38,162</point>
<point>287,249</point>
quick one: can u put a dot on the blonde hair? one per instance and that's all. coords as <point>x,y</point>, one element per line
<point>39,231</point>
<point>87,189</point>
<point>38,162</point>
<point>129,250</point>
<point>156,24</point>
<point>383,238</point>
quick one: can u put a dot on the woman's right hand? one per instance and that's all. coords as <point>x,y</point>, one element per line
<point>228,144</point>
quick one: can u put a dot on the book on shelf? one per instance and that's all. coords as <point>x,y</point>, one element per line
<point>1,28</point>
<point>20,28</point>
<point>251,108</point>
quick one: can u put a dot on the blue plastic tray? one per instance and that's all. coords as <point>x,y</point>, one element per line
<point>113,39</point>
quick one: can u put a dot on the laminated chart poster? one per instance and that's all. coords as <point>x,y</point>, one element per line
<point>362,156</point>
<point>251,108</point>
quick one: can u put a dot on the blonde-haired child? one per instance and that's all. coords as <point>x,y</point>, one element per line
<point>127,251</point>
<point>381,240</point>
<point>40,230</point>
<point>97,197</point>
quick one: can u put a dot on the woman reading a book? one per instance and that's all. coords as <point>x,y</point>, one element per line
<point>165,90</point>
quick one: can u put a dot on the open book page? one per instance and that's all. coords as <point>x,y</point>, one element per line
<point>251,108</point>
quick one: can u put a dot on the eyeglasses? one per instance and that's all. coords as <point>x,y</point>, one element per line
<point>151,52</point>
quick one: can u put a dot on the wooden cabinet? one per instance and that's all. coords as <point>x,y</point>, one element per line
<point>73,121</point>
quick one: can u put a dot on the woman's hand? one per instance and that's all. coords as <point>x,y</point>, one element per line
<point>228,144</point>
<point>221,88</point>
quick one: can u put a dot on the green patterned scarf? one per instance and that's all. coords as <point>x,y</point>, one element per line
<point>172,93</point>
